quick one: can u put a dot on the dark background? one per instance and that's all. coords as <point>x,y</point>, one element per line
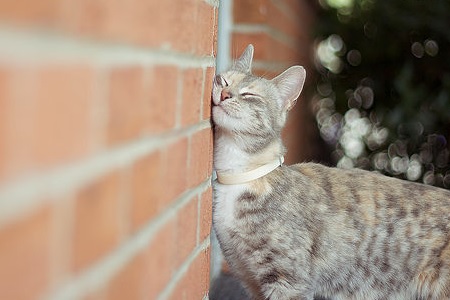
<point>382,92</point>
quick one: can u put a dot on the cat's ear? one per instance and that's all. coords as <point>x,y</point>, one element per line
<point>290,84</point>
<point>244,63</point>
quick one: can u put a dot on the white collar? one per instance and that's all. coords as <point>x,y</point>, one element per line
<point>250,175</point>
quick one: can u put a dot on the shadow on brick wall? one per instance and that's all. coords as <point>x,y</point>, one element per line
<point>226,287</point>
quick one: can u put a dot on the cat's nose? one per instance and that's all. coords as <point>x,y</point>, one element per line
<point>225,94</point>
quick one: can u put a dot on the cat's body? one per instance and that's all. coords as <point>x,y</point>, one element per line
<point>307,229</point>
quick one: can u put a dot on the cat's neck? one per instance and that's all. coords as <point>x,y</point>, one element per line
<point>229,158</point>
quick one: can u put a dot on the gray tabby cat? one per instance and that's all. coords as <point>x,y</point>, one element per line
<point>295,232</point>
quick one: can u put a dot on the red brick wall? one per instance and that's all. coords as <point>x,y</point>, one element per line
<point>105,148</point>
<point>281,33</point>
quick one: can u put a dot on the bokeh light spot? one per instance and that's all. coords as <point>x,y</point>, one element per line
<point>354,57</point>
<point>417,49</point>
<point>431,47</point>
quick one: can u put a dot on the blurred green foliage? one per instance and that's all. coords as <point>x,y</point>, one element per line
<point>383,94</point>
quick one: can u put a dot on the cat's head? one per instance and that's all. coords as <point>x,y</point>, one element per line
<point>249,106</point>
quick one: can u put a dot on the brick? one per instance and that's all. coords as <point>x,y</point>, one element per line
<point>165,13</point>
<point>251,11</point>
<point>130,282</point>
<point>200,161</point>
<point>127,104</point>
<point>186,238</point>
<point>209,76</point>
<point>215,32</point>
<point>195,284</point>
<point>16,121</point>
<point>25,256</point>
<point>176,173</point>
<point>282,22</point>
<point>163,81</point>
<point>24,12</point>
<point>150,23</point>
<point>192,96</point>
<point>47,118</point>
<point>206,24</point>
<point>267,48</point>
<point>147,189</point>
<point>128,22</point>
<point>259,41</point>
<point>264,12</point>
<point>96,18</point>
<point>61,127</point>
<point>161,264</point>
<point>186,42</point>
<point>205,215</point>
<point>192,23</point>
<point>188,24</point>
<point>192,32</point>
<point>302,10</point>
<point>97,220</point>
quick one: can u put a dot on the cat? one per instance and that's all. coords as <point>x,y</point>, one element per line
<point>307,230</point>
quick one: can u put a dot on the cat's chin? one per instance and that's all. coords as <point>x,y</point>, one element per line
<point>219,115</point>
<point>222,119</point>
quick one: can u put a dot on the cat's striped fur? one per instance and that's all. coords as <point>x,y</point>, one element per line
<point>307,229</point>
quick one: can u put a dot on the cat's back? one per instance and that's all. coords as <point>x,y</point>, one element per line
<point>368,200</point>
<point>398,232</point>
<point>365,187</point>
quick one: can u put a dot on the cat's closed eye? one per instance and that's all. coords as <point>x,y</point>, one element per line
<point>248,95</point>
